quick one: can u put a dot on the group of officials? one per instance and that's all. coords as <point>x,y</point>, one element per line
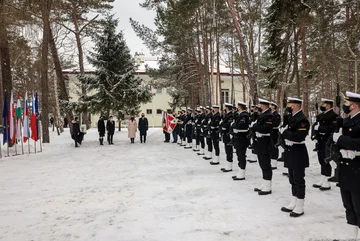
<point>262,130</point>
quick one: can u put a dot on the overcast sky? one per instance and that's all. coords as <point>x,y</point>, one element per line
<point>124,9</point>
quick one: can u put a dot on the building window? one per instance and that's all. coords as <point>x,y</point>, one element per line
<point>149,111</point>
<point>159,111</point>
<point>225,96</point>
<point>158,91</point>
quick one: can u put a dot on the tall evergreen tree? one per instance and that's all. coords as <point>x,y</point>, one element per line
<point>113,89</point>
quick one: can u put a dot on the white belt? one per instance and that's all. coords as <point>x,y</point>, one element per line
<point>275,128</point>
<point>261,135</point>
<point>214,127</point>
<point>224,129</point>
<point>239,131</point>
<point>290,143</point>
<point>205,125</point>
<point>322,134</point>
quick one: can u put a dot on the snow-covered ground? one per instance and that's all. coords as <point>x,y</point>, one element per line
<point>155,191</point>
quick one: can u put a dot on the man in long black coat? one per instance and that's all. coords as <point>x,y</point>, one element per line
<point>110,127</point>
<point>143,126</point>
<point>101,130</point>
<point>76,132</point>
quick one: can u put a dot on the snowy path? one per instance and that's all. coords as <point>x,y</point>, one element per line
<point>155,191</point>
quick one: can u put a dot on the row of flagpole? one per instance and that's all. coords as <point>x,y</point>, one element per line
<point>17,124</point>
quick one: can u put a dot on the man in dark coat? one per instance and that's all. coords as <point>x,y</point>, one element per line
<point>101,130</point>
<point>215,134</point>
<point>143,126</point>
<point>296,156</point>
<point>110,127</point>
<point>263,128</point>
<point>188,123</point>
<point>76,132</point>
<point>207,132</point>
<point>325,126</point>
<point>275,135</point>
<point>348,141</point>
<point>227,140</point>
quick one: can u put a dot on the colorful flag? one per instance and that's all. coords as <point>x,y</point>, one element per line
<point>34,134</point>
<point>12,115</point>
<point>26,119</point>
<point>18,113</point>
<point>169,122</point>
<point>150,88</point>
<point>37,114</point>
<point>6,134</point>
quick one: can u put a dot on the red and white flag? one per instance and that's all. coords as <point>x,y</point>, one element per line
<point>169,122</point>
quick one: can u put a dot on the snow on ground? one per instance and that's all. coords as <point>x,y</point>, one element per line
<point>154,191</point>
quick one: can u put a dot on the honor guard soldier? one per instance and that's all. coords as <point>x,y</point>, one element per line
<point>263,128</point>
<point>348,141</point>
<point>240,130</point>
<point>296,156</point>
<point>325,126</point>
<point>214,129</point>
<point>188,123</point>
<point>254,114</point>
<point>207,132</point>
<point>182,118</point>
<point>199,131</point>
<point>196,127</point>
<point>274,135</point>
<point>225,131</point>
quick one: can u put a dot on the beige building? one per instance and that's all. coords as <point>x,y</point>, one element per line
<point>161,99</point>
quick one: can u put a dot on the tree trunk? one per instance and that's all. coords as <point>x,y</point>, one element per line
<point>304,69</point>
<point>85,115</point>
<point>248,61</point>
<point>6,83</point>
<point>45,12</point>
<point>218,76</point>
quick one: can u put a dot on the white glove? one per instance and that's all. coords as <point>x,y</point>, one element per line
<point>253,123</point>
<point>333,164</point>
<point>257,134</point>
<point>289,143</point>
<point>316,127</point>
<point>347,154</point>
<point>343,153</point>
<point>336,136</point>
<point>231,136</point>
<point>282,129</point>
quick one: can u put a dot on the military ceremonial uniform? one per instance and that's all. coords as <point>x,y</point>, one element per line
<point>254,115</point>
<point>296,158</point>
<point>207,133</point>
<point>225,131</point>
<point>199,131</point>
<point>188,123</point>
<point>240,130</point>
<point>182,136</point>
<point>263,128</point>
<point>349,169</point>
<point>214,129</point>
<point>274,138</point>
<point>326,125</point>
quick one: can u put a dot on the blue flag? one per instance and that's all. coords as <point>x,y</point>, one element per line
<point>37,113</point>
<point>6,133</point>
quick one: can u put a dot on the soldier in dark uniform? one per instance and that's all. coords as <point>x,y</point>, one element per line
<point>274,135</point>
<point>240,130</point>
<point>207,133</point>
<point>263,128</point>
<point>110,127</point>
<point>188,123</point>
<point>254,114</point>
<point>225,131</point>
<point>199,130</point>
<point>214,129</point>
<point>325,126</point>
<point>101,130</point>
<point>296,156</point>
<point>348,141</point>
<point>182,118</point>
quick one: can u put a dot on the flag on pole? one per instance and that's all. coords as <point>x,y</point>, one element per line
<point>12,115</point>
<point>26,118</point>
<point>34,134</point>
<point>37,113</point>
<point>6,134</point>
<point>169,122</point>
<point>18,113</point>
<point>150,88</point>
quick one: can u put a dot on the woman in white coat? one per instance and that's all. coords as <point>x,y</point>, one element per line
<point>132,126</point>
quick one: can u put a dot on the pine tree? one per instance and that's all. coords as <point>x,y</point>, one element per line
<point>113,89</point>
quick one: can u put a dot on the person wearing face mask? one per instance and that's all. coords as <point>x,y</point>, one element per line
<point>110,127</point>
<point>143,126</point>
<point>132,129</point>
<point>325,126</point>
<point>263,128</point>
<point>296,157</point>
<point>274,135</point>
<point>214,133</point>
<point>348,141</point>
